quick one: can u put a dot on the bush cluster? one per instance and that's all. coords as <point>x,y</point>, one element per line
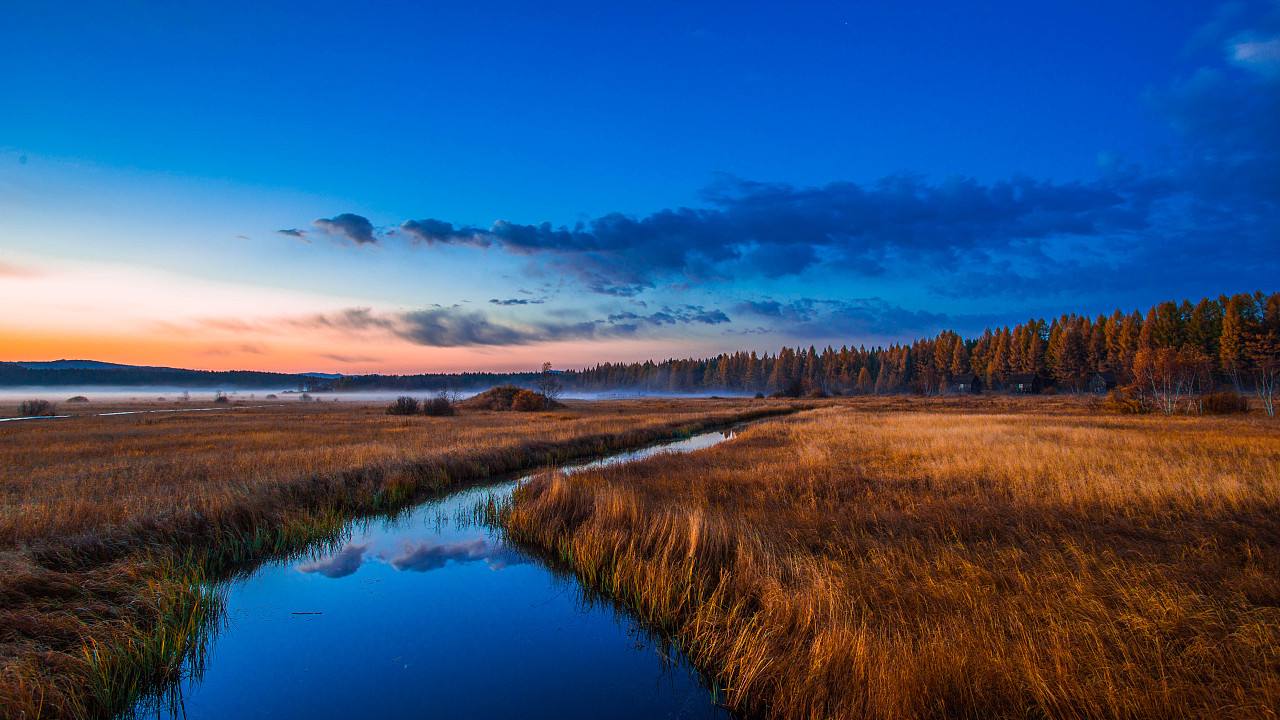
<point>438,407</point>
<point>510,397</point>
<point>435,407</point>
<point>32,408</point>
<point>528,401</point>
<point>1127,402</point>
<point>1224,403</point>
<point>404,405</point>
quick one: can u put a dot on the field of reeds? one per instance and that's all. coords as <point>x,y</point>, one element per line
<point>111,528</point>
<point>914,558</point>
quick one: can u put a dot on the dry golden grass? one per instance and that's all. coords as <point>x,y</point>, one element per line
<point>107,524</point>
<point>850,563</point>
<point>96,474</point>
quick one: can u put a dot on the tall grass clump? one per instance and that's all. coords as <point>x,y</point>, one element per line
<point>849,564</point>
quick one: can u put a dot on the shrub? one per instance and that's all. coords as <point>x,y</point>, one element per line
<point>273,396</point>
<point>1223,403</point>
<point>1127,402</point>
<point>438,407</point>
<point>528,401</point>
<point>78,399</point>
<point>32,408</point>
<point>404,405</point>
<point>504,397</point>
<point>759,396</point>
<point>221,399</point>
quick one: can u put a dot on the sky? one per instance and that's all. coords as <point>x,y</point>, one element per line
<point>486,186</point>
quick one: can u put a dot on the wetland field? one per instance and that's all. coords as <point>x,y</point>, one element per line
<point>884,557</point>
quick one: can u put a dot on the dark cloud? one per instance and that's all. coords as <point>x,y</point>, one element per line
<point>348,226</point>
<point>293,233</point>
<point>517,301</point>
<point>776,230</point>
<point>343,563</point>
<point>427,556</point>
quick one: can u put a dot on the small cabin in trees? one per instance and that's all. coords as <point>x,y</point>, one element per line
<point>1024,383</point>
<point>1101,382</point>
<point>968,383</point>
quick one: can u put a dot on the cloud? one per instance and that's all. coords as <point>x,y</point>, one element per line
<point>455,326</point>
<point>293,233</point>
<point>517,301</point>
<point>350,358</point>
<point>778,230</point>
<point>427,556</point>
<point>679,315</point>
<point>348,226</point>
<point>825,318</point>
<point>345,562</point>
<point>1259,55</point>
<point>1218,188</point>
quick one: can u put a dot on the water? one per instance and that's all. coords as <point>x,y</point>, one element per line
<point>431,614</point>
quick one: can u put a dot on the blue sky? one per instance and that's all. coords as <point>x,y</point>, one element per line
<point>728,175</point>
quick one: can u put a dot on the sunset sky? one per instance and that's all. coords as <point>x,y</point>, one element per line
<point>422,187</point>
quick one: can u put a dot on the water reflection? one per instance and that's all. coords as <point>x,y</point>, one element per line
<point>424,556</point>
<point>407,616</point>
<point>346,561</point>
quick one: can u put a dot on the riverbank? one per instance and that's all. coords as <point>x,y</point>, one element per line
<point>856,562</point>
<point>111,525</point>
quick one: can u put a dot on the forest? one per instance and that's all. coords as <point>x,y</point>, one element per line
<point>1175,352</point>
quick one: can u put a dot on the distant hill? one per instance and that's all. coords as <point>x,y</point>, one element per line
<point>86,365</point>
<point>92,373</point>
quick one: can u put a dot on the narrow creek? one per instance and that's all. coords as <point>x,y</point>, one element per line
<point>430,613</point>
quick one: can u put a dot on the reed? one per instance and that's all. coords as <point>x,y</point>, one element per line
<point>112,530</point>
<point>855,562</point>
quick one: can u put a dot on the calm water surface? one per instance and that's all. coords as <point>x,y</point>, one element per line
<point>432,615</point>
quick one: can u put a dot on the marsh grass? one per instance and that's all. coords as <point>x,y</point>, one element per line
<point>939,563</point>
<point>114,531</point>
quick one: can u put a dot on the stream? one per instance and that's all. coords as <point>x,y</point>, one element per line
<point>430,614</point>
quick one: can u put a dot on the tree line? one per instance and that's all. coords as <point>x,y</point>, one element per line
<point>1173,352</point>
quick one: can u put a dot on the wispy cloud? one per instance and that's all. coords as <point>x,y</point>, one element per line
<point>825,318</point>
<point>456,326</point>
<point>349,358</point>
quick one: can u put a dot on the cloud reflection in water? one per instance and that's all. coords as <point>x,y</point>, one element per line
<point>420,556</point>
<point>346,561</point>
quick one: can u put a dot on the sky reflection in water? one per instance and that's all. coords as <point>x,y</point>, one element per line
<point>430,614</point>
